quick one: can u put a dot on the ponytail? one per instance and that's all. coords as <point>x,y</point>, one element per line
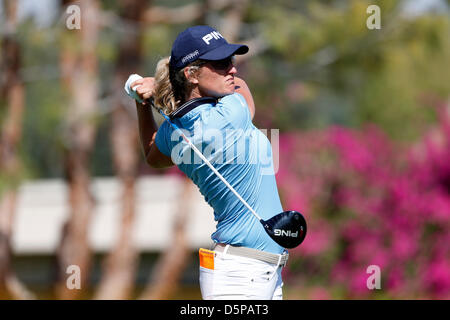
<point>171,87</point>
<point>164,95</point>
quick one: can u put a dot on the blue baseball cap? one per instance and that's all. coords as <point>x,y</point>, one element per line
<point>202,42</point>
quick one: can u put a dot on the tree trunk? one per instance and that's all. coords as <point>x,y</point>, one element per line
<point>12,92</point>
<point>170,266</point>
<point>232,22</point>
<point>79,76</point>
<point>120,265</point>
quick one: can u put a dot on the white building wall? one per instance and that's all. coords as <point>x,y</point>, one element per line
<point>43,208</point>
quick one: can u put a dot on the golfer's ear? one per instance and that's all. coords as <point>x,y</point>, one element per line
<point>191,75</point>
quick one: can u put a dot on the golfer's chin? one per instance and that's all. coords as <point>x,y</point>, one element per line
<point>225,92</point>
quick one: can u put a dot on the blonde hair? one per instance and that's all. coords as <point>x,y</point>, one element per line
<point>171,86</point>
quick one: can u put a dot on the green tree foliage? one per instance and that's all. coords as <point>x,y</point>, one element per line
<point>329,68</point>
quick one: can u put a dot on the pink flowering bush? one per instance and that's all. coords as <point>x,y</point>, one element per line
<point>369,201</point>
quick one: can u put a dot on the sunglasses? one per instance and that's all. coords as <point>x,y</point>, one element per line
<point>224,64</point>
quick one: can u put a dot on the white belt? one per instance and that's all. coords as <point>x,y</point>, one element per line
<point>273,258</point>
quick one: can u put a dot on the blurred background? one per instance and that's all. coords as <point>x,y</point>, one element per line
<point>364,146</point>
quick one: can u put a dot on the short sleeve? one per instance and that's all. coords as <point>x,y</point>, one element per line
<point>161,138</point>
<point>235,109</point>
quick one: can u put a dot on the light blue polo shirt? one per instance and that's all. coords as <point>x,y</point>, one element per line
<point>226,136</point>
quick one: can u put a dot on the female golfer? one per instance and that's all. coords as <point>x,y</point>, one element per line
<point>198,89</point>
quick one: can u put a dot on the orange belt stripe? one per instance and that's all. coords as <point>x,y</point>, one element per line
<point>206,258</point>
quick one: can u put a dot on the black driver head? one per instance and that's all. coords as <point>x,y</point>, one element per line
<point>288,228</point>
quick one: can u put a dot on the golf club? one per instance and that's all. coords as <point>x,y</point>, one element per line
<point>287,228</point>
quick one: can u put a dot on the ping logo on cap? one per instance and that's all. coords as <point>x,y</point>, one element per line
<point>212,35</point>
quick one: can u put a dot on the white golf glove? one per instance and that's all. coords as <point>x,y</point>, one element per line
<point>132,91</point>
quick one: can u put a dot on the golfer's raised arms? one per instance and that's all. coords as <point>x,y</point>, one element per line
<point>147,126</point>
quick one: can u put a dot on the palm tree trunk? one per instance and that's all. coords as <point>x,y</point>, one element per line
<point>79,70</point>
<point>12,91</point>
<point>120,265</point>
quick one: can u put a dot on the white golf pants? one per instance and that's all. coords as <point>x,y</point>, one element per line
<point>229,277</point>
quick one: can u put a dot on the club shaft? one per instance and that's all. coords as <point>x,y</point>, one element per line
<point>193,147</point>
